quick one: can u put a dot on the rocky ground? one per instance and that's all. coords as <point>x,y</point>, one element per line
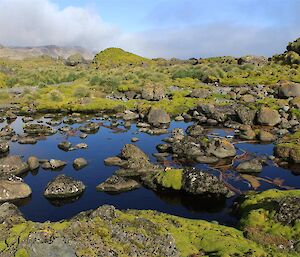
<point>269,226</point>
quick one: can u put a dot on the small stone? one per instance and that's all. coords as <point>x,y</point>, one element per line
<point>33,163</point>
<point>252,166</point>
<point>134,139</point>
<point>79,163</point>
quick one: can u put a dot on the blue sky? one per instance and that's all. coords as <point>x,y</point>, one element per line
<point>154,28</point>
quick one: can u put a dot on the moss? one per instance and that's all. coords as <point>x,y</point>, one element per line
<point>258,212</point>
<point>22,253</point>
<point>171,178</point>
<point>2,246</point>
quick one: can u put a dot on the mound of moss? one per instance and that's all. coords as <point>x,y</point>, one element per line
<point>115,57</point>
<point>272,218</point>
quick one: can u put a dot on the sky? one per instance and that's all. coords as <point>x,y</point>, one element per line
<point>154,28</point>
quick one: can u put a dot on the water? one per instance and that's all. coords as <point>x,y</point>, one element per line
<point>108,143</point>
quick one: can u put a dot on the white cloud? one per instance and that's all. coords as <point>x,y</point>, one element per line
<point>41,22</point>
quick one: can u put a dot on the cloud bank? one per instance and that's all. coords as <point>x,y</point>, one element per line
<point>41,22</point>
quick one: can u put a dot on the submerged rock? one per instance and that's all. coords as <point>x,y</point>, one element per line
<point>13,165</point>
<point>27,140</point>
<point>63,187</point>
<point>13,188</point>
<point>117,184</point>
<point>251,166</point>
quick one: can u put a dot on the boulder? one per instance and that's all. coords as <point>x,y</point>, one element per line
<point>200,93</point>
<point>288,89</point>
<point>13,188</point>
<point>246,132</point>
<point>246,115</point>
<point>117,184</point>
<point>13,165</point>
<point>266,136</point>
<point>129,115</point>
<point>247,98</point>
<point>79,163</point>
<point>199,182</point>
<point>251,166</point>
<point>33,163</point>
<point>195,130</point>
<point>153,92</point>
<point>63,187</point>
<point>221,148</point>
<point>158,117</point>
<point>65,146</point>
<point>9,212</point>
<point>4,147</point>
<point>267,116</point>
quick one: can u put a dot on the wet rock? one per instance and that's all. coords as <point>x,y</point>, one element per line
<point>117,184</point>
<point>113,161</point>
<point>134,139</point>
<point>65,129</point>
<point>64,187</point>
<point>266,136</point>
<point>251,166</point>
<point>198,182</point>
<point>129,115</point>
<point>158,117</point>
<point>81,146</point>
<point>13,165</point>
<point>53,164</point>
<point>246,115</point>
<point>90,128</point>
<point>33,163</point>
<point>4,147</point>
<point>65,146</point>
<point>7,132</point>
<point>195,130</point>
<point>38,129</point>
<point>13,188</point>
<point>83,135</point>
<point>207,159</point>
<point>177,134</point>
<point>153,92</point>
<point>267,116</point>
<point>79,163</point>
<point>27,119</point>
<point>289,89</point>
<point>221,148</point>
<point>246,132</point>
<point>27,140</point>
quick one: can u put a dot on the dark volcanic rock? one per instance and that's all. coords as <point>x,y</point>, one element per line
<point>199,182</point>
<point>64,187</point>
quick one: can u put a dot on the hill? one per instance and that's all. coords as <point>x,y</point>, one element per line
<point>21,53</point>
<point>115,57</point>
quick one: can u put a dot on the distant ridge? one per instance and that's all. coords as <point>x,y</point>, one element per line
<point>20,53</point>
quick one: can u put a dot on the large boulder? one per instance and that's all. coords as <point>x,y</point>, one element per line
<point>267,116</point>
<point>63,187</point>
<point>13,165</point>
<point>221,148</point>
<point>289,89</point>
<point>117,184</point>
<point>13,188</point>
<point>158,117</point>
<point>199,182</point>
<point>153,92</point>
<point>246,115</point>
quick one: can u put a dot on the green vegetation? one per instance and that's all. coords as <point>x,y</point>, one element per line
<point>171,178</point>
